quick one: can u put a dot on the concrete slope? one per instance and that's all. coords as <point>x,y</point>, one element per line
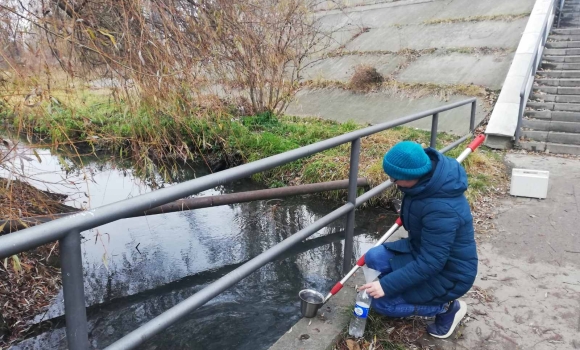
<point>440,42</point>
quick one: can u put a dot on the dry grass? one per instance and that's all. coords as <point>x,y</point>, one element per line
<point>384,333</point>
<point>504,18</point>
<point>409,90</point>
<point>28,281</point>
<point>19,199</point>
<point>365,78</point>
<point>478,51</point>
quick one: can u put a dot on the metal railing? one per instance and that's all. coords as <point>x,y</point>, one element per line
<point>560,10</point>
<point>67,230</point>
<point>533,66</point>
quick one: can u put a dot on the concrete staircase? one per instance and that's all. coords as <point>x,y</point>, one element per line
<point>552,117</point>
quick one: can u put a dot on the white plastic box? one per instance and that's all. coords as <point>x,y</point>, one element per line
<point>530,183</point>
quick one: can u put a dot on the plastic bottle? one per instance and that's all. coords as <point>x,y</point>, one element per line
<point>358,322</point>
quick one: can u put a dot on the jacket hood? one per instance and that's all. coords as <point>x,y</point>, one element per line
<point>447,179</point>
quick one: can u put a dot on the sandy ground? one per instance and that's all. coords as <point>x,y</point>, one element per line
<point>527,294</point>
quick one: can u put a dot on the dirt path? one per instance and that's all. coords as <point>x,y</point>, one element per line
<point>527,294</point>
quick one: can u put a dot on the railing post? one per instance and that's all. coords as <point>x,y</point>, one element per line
<point>74,292</point>
<point>534,65</point>
<point>561,8</point>
<point>352,190</point>
<point>520,117</point>
<point>434,123</point>
<point>472,120</point>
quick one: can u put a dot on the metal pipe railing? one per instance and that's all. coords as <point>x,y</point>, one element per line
<point>36,236</point>
<point>71,262</point>
<point>352,191</point>
<point>562,2</point>
<point>434,124</point>
<point>533,68</point>
<point>68,229</point>
<point>169,317</point>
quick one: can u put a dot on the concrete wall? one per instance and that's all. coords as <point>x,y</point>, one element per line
<point>459,42</point>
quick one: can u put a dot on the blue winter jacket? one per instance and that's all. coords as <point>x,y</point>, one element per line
<point>437,263</point>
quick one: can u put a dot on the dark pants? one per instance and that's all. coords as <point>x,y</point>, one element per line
<point>377,258</point>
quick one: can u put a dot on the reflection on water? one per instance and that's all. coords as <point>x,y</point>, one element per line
<point>137,268</point>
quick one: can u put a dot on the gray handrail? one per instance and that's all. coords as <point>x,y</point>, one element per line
<point>67,230</point>
<point>562,2</point>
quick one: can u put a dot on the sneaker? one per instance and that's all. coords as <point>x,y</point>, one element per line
<point>446,322</point>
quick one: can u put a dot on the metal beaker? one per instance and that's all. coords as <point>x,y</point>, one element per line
<point>310,302</point>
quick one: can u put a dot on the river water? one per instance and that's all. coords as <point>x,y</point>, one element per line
<point>137,268</point>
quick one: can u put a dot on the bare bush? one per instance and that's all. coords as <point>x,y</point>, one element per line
<point>365,78</point>
<point>181,50</point>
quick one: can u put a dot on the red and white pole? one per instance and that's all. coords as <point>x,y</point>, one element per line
<point>478,141</point>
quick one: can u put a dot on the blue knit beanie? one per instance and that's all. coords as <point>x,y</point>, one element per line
<point>406,161</point>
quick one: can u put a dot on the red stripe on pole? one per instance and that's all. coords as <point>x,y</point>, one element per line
<point>477,142</point>
<point>361,261</point>
<point>399,222</point>
<point>337,287</point>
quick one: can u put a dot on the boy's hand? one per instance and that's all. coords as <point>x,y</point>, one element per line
<point>373,289</point>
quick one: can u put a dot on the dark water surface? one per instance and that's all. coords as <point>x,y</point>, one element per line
<point>137,268</point>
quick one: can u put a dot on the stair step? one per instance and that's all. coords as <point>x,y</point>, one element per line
<point>550,125</point>
<point>561,66</point>
<point>561,52</point>
<point>566,31</point>
<point>556,98</point>
<point>569,90</point>
<point>547,115</point>
<point>556,116</point>
<point>563,44</point>
<point>566,21</point>
<point>559,148</point>
<point>557,82</point>
<point>552,136</point>
<point>536,125</point>
<point>533,146</point>
<point>570,15</point>
<point>559,73</point>
<point>538,90</point>
<point>564,37</point>
<point>557,90</point>
<point>551,147</point>
<point>562,59</point>
<point>554,106</point>
<point>569,23</point>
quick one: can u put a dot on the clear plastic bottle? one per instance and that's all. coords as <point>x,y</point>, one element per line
<point>358,322</point>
